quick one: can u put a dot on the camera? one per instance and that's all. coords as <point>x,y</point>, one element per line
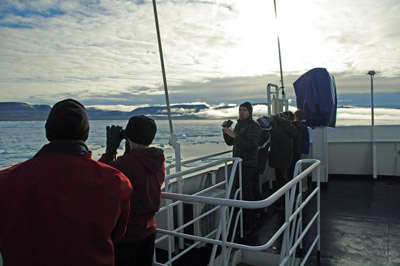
<point>228,123</point>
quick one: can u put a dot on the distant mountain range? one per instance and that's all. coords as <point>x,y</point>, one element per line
<point>16,111</point>
<point>11,111</point>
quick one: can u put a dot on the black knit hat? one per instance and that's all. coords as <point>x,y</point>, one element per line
<point>68,119</point>
<point>248,106</point>
<point>141,130</point>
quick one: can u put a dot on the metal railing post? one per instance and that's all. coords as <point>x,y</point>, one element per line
<point>224,236</point>
<point>319,216</point>
<point>241,197</point>
<point>170,222</point>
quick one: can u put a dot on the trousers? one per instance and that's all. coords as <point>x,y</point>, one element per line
<point>135,253</point>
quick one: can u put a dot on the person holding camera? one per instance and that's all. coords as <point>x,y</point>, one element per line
<point>144,166</point>
<point>61,207</point>
<point>245,139</point>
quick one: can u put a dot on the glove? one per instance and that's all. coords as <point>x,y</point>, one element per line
<point>127,147</point>
<point>114,137</point>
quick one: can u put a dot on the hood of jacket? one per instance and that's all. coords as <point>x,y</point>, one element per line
<point>288,128</point>
<point>151,158</point>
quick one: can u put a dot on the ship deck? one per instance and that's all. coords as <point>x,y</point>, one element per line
<point>360,224</point>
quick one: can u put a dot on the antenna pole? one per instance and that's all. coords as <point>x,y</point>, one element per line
<point>163,67</point>
<point>279,50</point>
<point>173,140</point>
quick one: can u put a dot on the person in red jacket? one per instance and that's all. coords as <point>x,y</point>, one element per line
<point>61,207</point>
<point>145,168</point>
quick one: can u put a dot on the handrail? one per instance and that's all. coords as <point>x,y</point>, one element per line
<point>168,167</point>
<point>230,244</point>
<point>242,203</point>
<point>288,247</point>
<point>199,168</point>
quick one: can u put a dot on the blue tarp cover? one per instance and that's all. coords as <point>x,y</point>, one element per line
<point>316,96</point>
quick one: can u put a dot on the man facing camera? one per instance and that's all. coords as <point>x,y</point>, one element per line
<point>245,139</point>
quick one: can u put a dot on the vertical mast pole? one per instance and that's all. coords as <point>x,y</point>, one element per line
<point>173,140</point>
<point>163,67</point>
<point>279,51</point>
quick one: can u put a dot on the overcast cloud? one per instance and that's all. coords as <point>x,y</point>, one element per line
<point>105,52</point>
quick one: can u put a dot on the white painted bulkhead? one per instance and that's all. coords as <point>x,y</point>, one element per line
<point>350,150</point>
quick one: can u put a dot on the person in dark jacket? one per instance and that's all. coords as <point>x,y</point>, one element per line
<point>281,153</point>
<point>305,141</point>
<point>61,207</point>
<point>144,166</point>
<point>296,142</point>
<point>245,139</point>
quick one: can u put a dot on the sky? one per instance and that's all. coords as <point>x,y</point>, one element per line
<point>104,53</point>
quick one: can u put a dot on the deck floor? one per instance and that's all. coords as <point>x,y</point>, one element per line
<point>360,222</point>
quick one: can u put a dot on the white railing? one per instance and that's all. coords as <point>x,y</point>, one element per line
<point>227,184</point>
<point>292,229</point>
<point>171,166</point>
<point>178,178</point>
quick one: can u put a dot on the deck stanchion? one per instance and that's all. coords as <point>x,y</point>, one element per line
<point>374,167</point>
<point>224,236</point>
<point>319,216</point>
<point>241,198</point>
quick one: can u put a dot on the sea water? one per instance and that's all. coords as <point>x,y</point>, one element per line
<point>20,140</point>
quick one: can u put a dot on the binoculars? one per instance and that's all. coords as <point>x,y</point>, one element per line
<point>228,123</point>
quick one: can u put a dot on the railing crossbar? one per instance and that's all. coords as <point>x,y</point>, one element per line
<point>202,167</point>
<point>243,203</point>
<point>314,243</point>
<point>187,249</point>
<point>293,249</point>
<point>198,159</point>
<point>188,223</point>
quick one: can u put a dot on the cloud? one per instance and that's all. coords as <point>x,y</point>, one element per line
<point>106,52</point>
<point>347,37</point>
<point>117,107</point>
<point>362,116</point>
<point>345,116</point>
<point>219,113</point>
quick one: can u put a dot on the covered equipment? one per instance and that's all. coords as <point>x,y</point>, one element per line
<point>316,96</point>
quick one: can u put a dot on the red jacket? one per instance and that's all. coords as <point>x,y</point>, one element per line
<point>146,170</point>
<point>61,209</point>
